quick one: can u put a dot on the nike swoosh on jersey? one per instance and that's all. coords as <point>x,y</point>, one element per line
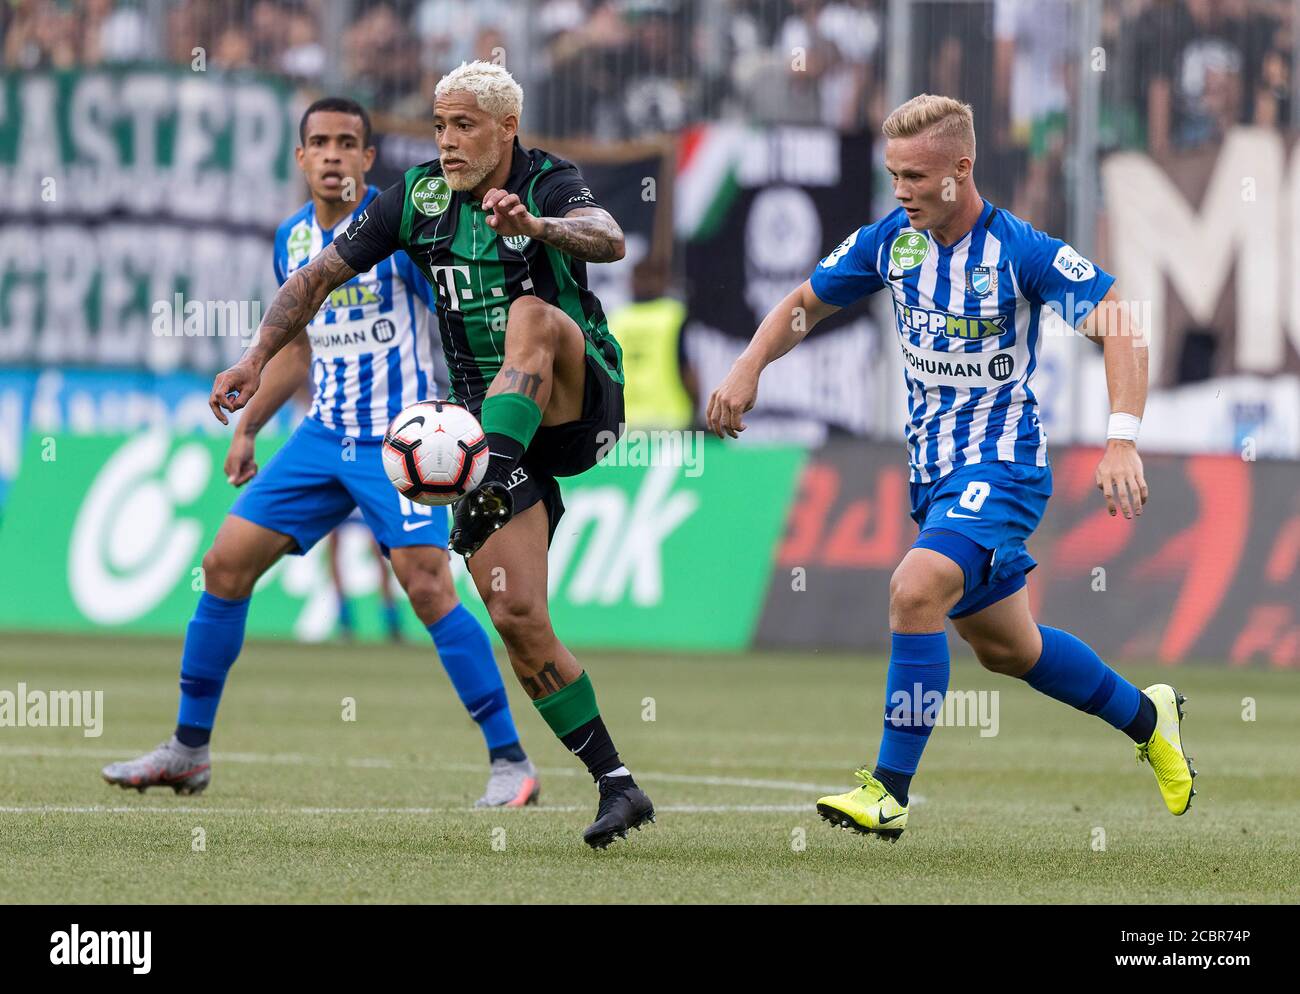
<point>959,515</point>
<point>408,526</point>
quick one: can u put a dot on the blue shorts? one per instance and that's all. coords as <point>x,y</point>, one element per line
<point>310,487</point>
<point>996,506</point>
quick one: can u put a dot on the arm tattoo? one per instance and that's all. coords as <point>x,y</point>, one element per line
<point>518,381</point>
<point>298,300</point>
<point>547,681</point>
<point>589,234</point>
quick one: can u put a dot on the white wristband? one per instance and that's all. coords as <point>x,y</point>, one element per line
<point>1124,426</point>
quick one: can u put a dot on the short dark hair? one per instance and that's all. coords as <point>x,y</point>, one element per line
<point>341,105</point>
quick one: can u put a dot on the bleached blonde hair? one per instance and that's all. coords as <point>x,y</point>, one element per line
<point>941,118</point>
<point>493,87</point>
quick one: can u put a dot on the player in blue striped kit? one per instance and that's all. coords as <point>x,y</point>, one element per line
<point>369,354</point>
<point>970,284</point>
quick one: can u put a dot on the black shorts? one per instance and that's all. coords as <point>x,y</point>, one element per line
<point>571,448</point>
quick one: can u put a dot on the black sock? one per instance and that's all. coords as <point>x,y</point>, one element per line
<point>193,736</point>
<point>591,744</point>
<point>896,783</point>
<point>1143,724</point>
<point>505,455</point>
<point>513,752</point>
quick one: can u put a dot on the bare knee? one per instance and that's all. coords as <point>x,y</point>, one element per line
<point>533,321</point>
<point>522,623</point>
<point>431,591</point>
<point>913,604</point>
<point>228,574</point>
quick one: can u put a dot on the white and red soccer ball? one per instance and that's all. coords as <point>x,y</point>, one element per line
<point>435,452</point>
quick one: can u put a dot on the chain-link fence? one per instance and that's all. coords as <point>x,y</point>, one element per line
<point>1156,135</point>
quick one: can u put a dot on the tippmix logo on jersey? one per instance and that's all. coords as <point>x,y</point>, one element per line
<point>431,196</point>
<point>356,293</point>
<point>941,323</point>
<point>909,250</point>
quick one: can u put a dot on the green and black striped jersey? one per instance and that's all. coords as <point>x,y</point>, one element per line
<point>474,272</point>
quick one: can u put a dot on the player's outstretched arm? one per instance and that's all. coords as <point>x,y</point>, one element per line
<point>587,233</point>
<point>294,305</point>
<point>1124,344</point>
<point>283,376</point>
<point>784,327</point>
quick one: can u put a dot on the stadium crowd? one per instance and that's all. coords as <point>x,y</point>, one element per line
<point>1178,72</point>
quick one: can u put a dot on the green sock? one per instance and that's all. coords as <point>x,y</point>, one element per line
<point>569,707</point>
<point>510,421</point>
<point>575,719</point>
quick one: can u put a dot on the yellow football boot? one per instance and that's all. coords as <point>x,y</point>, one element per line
<point>869,809</point>
<point>1164,750</point>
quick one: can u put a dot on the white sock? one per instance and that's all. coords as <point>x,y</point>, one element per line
<point>622,771</point>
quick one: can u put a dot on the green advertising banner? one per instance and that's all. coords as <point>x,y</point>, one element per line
<point>661,546</point>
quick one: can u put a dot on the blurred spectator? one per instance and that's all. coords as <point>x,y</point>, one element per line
<point>304,56</point>
<point>115,31</point>
<point>234,50</point>
<point>1032,93</point>
<point>839,40</point>
<point>40,35</point>
<point>381,55</point>
<point>578,76</point>
<point>1205,65</point>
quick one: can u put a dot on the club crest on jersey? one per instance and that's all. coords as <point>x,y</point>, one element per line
<point>517,242</point>
<point>431,196</point>
<point>981,281</point>
<point>909,250</point>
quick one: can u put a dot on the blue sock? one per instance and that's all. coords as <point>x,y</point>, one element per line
<point>914,693</point>
<point>345,615</point>
<point>212,643</point>
<point>1071,672</point>
<point>467,657</point>
<point>392,622</point>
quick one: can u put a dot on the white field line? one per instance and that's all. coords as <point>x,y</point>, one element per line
<point>377,763</point>
<point>88,809</point>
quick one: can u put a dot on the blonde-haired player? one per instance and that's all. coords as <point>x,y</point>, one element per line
<point>503,233</point>
<point>970,283</point>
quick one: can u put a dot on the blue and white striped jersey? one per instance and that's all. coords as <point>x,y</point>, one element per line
<point>370,341</point>
<point>968,318</point>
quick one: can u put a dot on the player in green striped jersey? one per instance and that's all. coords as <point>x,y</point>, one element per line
<point>504,234</point>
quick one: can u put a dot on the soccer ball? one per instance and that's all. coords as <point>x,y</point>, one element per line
<point>435,452</point>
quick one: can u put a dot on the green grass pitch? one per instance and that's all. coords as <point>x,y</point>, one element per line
<point>306,807</point>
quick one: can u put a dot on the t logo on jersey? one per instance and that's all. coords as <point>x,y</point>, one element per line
<point>444,278</point>
<point>949,325</point>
